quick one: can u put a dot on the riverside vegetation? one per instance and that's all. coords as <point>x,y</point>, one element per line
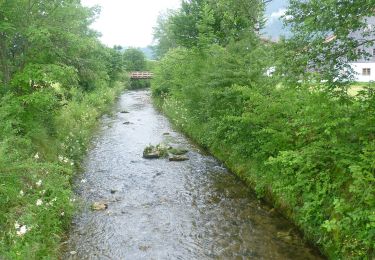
<point>57,79</point>
<point>296,136</point>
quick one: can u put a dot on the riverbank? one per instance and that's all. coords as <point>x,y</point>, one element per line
<point>38,165</point>
<point>260,176</point>
<point>309,152</point>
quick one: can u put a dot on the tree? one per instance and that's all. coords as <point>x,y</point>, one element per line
<point>163,35</point>
<point>323,35</point>
<point>48,41</point>
<point>200,23</point>
<point>134,60</point>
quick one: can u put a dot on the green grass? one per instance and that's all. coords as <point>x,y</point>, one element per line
<point>37,166</point>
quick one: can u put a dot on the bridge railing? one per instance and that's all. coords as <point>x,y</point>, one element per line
<point>141,75</point>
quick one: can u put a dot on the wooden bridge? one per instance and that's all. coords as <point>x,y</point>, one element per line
<point>141,75</point>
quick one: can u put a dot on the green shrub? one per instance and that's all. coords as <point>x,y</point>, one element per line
<point>42,143</point>
<point>310,152</point>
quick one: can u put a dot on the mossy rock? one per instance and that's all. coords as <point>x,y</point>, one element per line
<point>155,152</point>
<point>178,151</point>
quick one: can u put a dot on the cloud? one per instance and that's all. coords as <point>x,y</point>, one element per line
<point>128,22</point>
<point>275,16</point>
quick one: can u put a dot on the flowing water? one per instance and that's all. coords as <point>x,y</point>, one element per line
<point>158,209</point>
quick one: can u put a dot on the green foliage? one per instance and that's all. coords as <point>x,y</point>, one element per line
<point>200,23</point>
<point>139,83</point>
<point>41,146</point>
<point>163,34</point>
<point>56,79</point>
<point>308,150</point>
<point>134,59</point>
<point>326,35</point>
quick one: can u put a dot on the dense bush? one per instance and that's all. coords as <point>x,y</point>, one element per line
<point>42,143</point>
<point>310,152</point>
<point>56,79</point>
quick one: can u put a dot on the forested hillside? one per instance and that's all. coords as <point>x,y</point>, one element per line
<point>280,114</point>
<point>56,79</point>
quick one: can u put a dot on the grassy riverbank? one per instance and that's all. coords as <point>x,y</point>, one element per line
<point>312,154</point>
<point>37,165</point>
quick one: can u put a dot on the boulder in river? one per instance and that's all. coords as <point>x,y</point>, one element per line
<point>155,152</point>
<point>99,206</point>
<point>178,158</point>
<point>124,112</point>
<point>163,150</point>
<point>177,151</point>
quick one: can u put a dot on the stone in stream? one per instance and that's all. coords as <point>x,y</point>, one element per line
<point>163,150</point>
<point>99,206</point>
<point>151,154</point>
<point>155,152</point>
<point>124,112</point>
<point>126,123</point>
<point>178,158</point>
<point>177,151</point>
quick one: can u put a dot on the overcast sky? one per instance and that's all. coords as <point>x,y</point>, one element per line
<point>129,22</point>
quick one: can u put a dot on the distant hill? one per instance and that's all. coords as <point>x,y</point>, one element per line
<point>148,52</point>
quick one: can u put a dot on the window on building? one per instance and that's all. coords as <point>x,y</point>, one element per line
<point>366,72</point>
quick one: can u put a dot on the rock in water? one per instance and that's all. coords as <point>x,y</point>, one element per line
<point>177,151</point>
<point>99,206</point>
<point>124,112</point>
<point>178,158</point>
<point>154,152</point>
<point>151,154</point>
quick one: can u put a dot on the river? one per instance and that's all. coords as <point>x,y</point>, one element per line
<point>158,209</point>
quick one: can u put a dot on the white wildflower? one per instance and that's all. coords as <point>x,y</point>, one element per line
<point>39,202</point>
<point>21,193</point>
<point>22,230</point>
<point>38,183</point>
<point>71,163</point>
<point>62,214</point>
<point>36,156</point>
<point>61,158</point>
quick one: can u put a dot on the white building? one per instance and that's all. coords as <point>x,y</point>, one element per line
<point>364,71</point>
<point>365,67</point>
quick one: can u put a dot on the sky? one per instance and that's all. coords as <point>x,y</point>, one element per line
<point>129,22</point>
<point>274,27</point>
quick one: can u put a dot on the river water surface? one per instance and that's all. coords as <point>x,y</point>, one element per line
<point>158,209</point>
